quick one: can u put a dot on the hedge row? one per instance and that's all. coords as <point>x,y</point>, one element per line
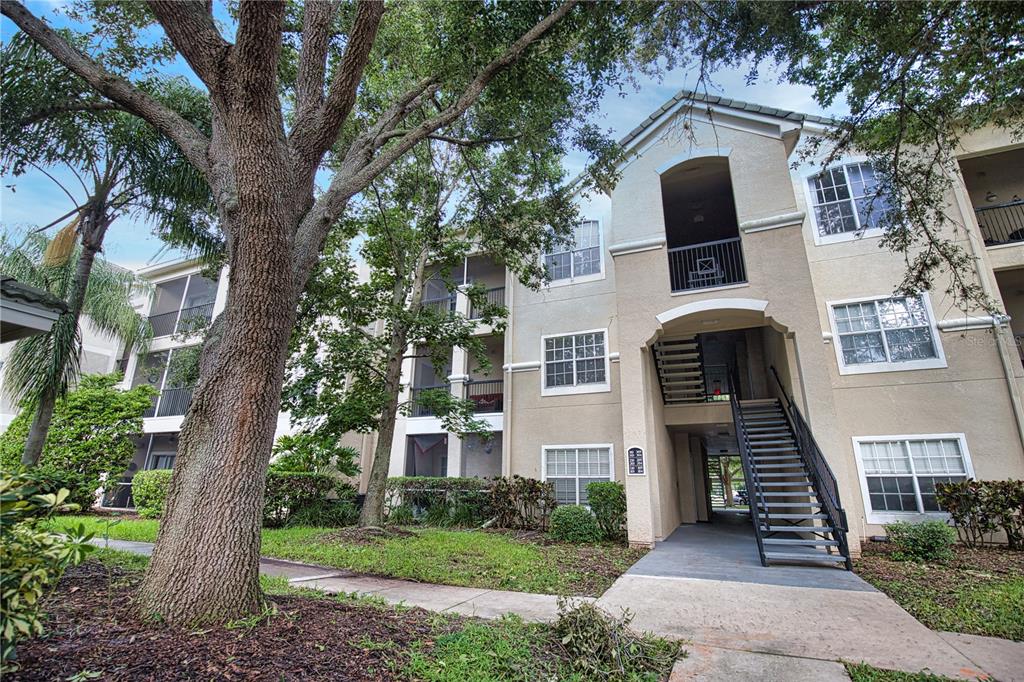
<point>291,498</point>
<point>979,509</point>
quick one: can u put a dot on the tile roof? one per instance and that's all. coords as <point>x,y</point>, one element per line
<point>723,102</point>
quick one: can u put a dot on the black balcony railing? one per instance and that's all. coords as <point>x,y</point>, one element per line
<point>1001,223</point>
<point>442,304</point>
<point>171,402</point>
<point>487,395</point>
<point>494,296</point>
<point>419,409</point>
<point>711,264</point>
<point>186,320</point>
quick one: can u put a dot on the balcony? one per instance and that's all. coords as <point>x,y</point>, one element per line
<point>170,402</point>
<point>442,304</point>
<point>710,264</point>
<point>186,320</point>
<point>1001,223</point>
<point>494,297</point>
<point>488,396</point>
<point>418,409</point>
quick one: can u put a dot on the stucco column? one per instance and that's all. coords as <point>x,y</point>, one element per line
<point>635,433</point>
<point>458,379</point>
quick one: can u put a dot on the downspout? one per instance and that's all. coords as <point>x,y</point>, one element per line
<point>506,435</point>
<point>1005,358</point>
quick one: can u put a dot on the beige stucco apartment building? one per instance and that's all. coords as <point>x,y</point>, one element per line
<point>719,245</point>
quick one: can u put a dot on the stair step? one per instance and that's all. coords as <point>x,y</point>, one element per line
<point>799,517</point>
<point>777,474</point>
<point>778,466</point>
<point>801,556</point>
<point>760,444</point>
<point>767,430</point>
<point>760,449</point>
<point>801,542</point>
<point>781,484</point>
<point>776,458</point>
<point>788,494</point>
<point>789,504</point>
<point>797,529</point>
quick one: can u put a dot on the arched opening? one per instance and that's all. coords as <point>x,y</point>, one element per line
<point>701,229</point>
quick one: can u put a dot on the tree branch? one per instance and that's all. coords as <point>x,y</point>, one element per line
<point>68,108</point>
<point>316,38</point>
<point>316,132</point>
<point>358,171</point>
<point>189,24</point>
<point>190,139</point>
<point>257,51</point>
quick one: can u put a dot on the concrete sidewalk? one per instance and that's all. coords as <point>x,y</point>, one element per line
<point>467,601</point>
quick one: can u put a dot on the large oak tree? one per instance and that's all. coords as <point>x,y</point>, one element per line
<point>347,87</point>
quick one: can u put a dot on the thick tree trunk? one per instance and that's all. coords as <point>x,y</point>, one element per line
<point>205,566</point>
<point>40,427</point>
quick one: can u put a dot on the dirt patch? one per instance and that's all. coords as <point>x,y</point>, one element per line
<point>367,536</point>
<point>91,627</point>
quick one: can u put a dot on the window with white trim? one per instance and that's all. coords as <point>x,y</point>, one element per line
<point>579,257</point>
<point>847,199</point>
<point>575,360</point>
<point>900,473</point>
<point>570,469</point>
<point>887,330</point>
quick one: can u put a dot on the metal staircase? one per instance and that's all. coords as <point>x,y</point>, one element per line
<point>680,366</point>
<point>794,498</point>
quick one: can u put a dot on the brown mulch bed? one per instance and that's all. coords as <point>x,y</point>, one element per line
<point>983,563</point>
<point>91,626</point>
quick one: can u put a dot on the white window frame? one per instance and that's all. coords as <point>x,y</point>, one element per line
<point>819,240</point>
<point>599,275</point>
<point>938,362</point>
<point>602,387</point>
<point>577,446</point>
<point>884,516</point>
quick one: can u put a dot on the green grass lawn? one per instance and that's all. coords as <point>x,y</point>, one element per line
<point>451,557</point>
<point>979,592</point>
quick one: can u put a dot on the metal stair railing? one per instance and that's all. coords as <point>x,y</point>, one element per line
<point>822,478</point>
<point>754,488</point>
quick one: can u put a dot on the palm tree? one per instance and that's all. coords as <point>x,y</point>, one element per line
<point>41,368</point>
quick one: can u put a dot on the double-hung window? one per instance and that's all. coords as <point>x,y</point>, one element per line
<point>899,473</point>
<point>847,200</point>
<point>571,468</point>
<point>579,256</point>
<point>575,363</point>
<point>885,334</point>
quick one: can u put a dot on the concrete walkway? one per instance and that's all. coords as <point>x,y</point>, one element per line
<point>466,601</point>
<point>705,584</point>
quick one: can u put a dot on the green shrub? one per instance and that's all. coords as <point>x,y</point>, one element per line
<point>522,503</point>
<point>571,523</point>
<point>32,556</point>
<point>980,508</point>
<point>601,647</point>
<point>325,514</point>
<point>607,500</point>
<point>91,437</point>
<point>149,490</point>
<point>927,541</point>
<point>312,452</point>
<point>437,501</point>
<point>288,492</point>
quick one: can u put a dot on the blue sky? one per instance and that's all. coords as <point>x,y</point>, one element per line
<point>34,200</point>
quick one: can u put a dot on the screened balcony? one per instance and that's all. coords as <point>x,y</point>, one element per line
<point>182,306</point>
